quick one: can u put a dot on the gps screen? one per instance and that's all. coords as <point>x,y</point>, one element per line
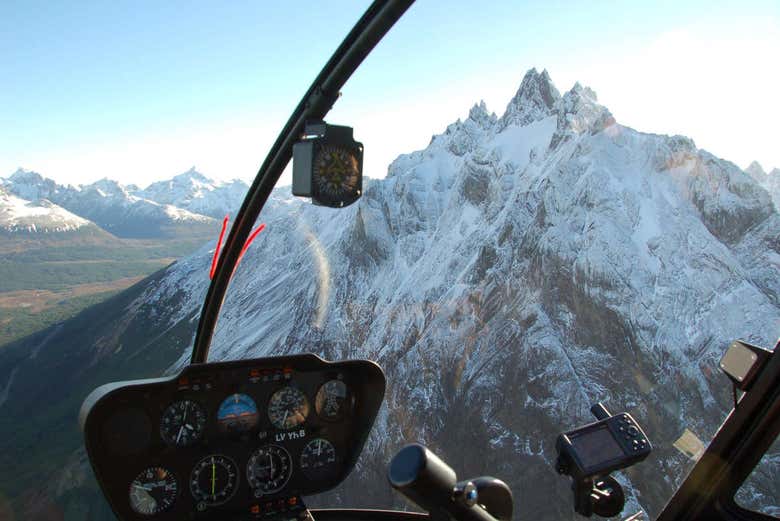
<point>596,446</point>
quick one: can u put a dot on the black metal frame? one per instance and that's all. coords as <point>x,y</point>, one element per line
<point>315,104</point>
<point>748,432</point>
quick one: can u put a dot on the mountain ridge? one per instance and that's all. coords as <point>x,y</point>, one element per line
<point>191,200</point>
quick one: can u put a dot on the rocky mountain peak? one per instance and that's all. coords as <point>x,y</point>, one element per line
<point>30,185</point>
<point>191,175</point>
<point>107,187</point>
<point>480,115</point>
<point>535,99</point>
<point>580,112</point>
<point>755,171</point>
<point>27,176</point>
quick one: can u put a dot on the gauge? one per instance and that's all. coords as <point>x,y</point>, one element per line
<point>182,423</point>
<point>288,408</point>
<point>268,469</point>
<point>214,480</point>
<point>153,491</point>
<point>318,459</point>
<point>336,171</point>
<point>237,413</point>
<point>333,400</point>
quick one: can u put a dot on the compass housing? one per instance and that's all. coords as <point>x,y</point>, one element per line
<point>328,165</point>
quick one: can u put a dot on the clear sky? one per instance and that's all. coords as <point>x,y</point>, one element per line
<point>139,91</point>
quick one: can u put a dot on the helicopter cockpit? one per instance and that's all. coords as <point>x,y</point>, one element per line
<point>252,439</point>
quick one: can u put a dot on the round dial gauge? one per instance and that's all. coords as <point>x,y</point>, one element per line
<point>336,170</point>
<point>318,459</point>
<point>237,413</point>
<point>333,400</point>
<point>288,408</point>
<point>268,469</point>
<point>214,480</point>
<point>182,423</point>
<point>153,491</point>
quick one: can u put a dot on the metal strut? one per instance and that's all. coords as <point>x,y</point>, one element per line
<point>315,104</point>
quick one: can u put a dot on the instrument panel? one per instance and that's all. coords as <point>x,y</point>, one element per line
<point>230,440</point>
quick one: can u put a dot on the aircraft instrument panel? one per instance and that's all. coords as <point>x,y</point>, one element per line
<point>230,440</point>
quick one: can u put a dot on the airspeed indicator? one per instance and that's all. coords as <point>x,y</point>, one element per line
<point>214,480</point>
<point>318,459</point>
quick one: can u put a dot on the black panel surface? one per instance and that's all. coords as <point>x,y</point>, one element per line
<point>122,429</point>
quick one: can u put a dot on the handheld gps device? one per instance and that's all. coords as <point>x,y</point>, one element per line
<point>612,443</point>
<point>588,454</point>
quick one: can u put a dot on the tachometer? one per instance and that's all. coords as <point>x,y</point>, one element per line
<point>288,408</point>
<point>318,459</point>
<point>237,413</point>
<point>182,423</point>
<point>214,480</point>
<point>333,400</point>
<point>268,469</point>
<point>153,491</point>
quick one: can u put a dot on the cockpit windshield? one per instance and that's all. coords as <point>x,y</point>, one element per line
<point>560,206</point>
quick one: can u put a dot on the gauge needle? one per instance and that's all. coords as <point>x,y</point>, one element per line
<point>284,420</point>
<point>178,436</point>
<point>213,476</point>
<point>148,489</point>
<point>319,447</point>
<point>271,459</point>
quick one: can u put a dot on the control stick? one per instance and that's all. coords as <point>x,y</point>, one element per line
<point>431,484</point>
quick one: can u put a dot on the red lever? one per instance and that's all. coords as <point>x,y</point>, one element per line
<point>219,247</point>
<point>243,250</point>
<point>247,243</point>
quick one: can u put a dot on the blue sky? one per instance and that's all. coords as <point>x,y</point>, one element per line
<point>140,91</point>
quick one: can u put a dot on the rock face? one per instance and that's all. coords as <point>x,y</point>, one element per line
<point>516,271</point>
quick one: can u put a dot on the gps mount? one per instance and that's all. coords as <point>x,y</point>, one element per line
<point>589,454</point>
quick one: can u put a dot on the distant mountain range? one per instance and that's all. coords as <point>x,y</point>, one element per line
<point>188,204</point>
<point>41,216</point>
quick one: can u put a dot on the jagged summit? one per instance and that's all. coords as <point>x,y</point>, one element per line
<point>575,112</point>
<point>480,115</point>
<point>191,175</point>
<point>534,100</point>
<point>198,193</point>
<point>768,181</point>
<point>107,187</point>
<point>24,174</point>
<point>756,171</point>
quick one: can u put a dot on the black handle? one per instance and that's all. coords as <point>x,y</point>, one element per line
<point>427,481</point>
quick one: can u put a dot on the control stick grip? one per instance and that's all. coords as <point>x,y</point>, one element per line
<point>427,481</point>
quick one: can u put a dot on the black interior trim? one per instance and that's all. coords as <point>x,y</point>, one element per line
<point>315,105</point>
<point>740,443</point>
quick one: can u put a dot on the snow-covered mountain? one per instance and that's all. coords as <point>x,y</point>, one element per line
<point>111,206</point>
<point>197,193</point>
<point>770,181</point>
<point>19,215</point>
<point>513,273</point>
